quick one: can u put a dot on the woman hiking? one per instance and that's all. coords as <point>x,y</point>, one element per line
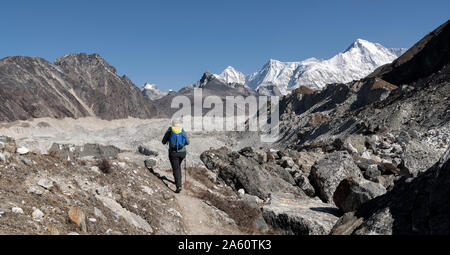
<point>177,139</point>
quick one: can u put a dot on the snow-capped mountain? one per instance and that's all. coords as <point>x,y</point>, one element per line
<point>357,61</point>
<point>231,75</point>
<point>152,92</point>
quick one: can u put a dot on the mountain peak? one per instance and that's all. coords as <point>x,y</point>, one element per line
<point>362,44</point>
<point>231,75</point>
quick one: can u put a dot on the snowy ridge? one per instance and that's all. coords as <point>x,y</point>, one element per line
<point>152,92</point>
<point>357,61</point>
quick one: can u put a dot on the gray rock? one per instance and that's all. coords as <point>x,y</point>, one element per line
<point>35,190</point>
<point>287,162</point>
<point>299,216</point>
<point>260,156</point>
<point>17,210</point>
<point>372,172</point>
<point>353,192</point>
<point>2,145</point>
<point>420,206</point>
<point>150,163</point>
<point>37,214</point>
<point>129,217</point>
<point>327,173</point>
<point>245,172</point>
<point>248,174</point>
<point>27,162</point>
<point>247,152</point>
<point>2,157</point>
<point>45,183</point>
<point>147,152</point>
<point>302,181</point>
<point>85,151</point>
<point>386,180</point>
<point>279,171</point>
<point>22,150</point>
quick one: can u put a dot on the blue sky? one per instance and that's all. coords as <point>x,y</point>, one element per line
<point>171,43</point>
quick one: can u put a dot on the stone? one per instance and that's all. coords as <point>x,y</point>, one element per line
<point>27,162</point>
<point>299,216</point>
<point>37,214</point>
<point>303,183</point>
<point>353,192</point>
<point>242,172</point>
<point>248,174</point>
<point>95,169</point>
<point>366,155</point>
<point>328,172</point>
<point>287,162</point>
<point>150,163</point>
<point>260,156</point>
<point>22,150</point>
<point>35,190</point>
<point>147,152</point>
<point>2,157</point>
<point>45,183</point>
<point>372,172</point>
<point>351,149</point>
<point>247,152</point>
<point>77,216</point>
<point>17,210</point>
<point>241,192</point>
<point>2,145</point>
<point>420,206</point>
<point>129,217</point>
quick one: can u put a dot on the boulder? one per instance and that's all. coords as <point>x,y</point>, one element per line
<point>279,171</point>
<point>22,150</point>
<point>247,151</point>
<point>372,172</point>
<point>299,216</point>
<point>303,183</point>
<point>260,156</point>
<point>353,192</point>
<point>217,158</point>
<point>146,151</point>
<point>287,162</point>
<point>327,173</point>
<point>418,206</point>
<point>246,173</point>
<point>150,163</point>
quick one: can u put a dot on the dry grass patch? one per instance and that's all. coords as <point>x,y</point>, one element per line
<point>243,214</point>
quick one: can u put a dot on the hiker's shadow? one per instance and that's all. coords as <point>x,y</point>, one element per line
<point>163,178</point>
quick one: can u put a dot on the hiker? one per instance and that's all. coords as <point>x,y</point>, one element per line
<point>177,138</point>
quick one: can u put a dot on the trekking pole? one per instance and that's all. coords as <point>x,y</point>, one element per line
<point>185,177</point>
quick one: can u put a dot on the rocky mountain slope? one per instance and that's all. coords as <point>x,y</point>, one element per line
<point>76,85</point>
<point>365,157</point>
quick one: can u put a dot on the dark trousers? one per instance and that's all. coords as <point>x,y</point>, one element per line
<point>175,160</point>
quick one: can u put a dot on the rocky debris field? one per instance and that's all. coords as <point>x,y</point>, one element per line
<point>50,194</point>
<point>90,190</point>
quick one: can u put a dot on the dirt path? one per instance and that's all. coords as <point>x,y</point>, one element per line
<point>198,217</point>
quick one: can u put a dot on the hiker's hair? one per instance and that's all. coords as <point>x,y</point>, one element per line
<point>176,122</point>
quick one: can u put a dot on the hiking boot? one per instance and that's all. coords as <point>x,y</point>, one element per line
<point>178,190</point>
